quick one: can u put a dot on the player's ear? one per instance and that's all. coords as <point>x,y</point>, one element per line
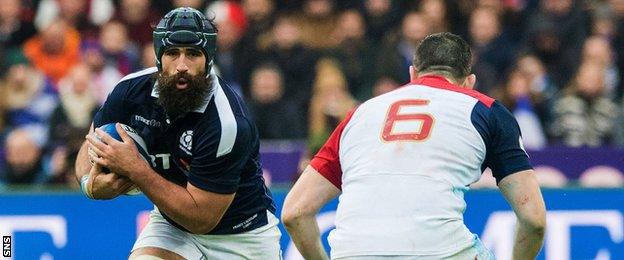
<point>413,73</point>
<point>470,81</point>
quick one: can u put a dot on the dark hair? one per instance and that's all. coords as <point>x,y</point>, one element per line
<point>443,53</point>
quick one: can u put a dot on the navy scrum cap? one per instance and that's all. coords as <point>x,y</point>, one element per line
<point>185,27</point>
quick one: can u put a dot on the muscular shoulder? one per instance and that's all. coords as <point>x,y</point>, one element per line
<point>501,135</point>
<point>492,117</point>
<point>135,84</point>
<point>225,124</point>
<point>129,93</point>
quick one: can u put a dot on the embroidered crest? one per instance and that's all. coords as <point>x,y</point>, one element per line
<point>186,142</point>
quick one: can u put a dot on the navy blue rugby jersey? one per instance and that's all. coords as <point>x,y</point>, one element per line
<point>215,147</point>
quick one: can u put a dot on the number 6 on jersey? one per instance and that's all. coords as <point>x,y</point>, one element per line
<point>393,117</point>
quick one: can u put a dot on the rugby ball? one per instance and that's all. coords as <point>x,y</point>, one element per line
<point>138,141</point>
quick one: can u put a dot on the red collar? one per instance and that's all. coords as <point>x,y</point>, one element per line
<point>443,83</point>
<point>435,81</point>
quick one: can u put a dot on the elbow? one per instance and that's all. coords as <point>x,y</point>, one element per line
<point>535,225</point>
<point>538,227</point>
<point>291,216</point>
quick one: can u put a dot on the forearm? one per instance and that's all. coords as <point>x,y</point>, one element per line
<point>301,205</point>
<point>528,241</point>
<point>82,165</point>
<point>174,200</point>
<point>305,234</point>
<point>523,194</point>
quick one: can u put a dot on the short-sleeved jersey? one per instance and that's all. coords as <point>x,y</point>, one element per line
<point>404,161</point>
<point>215,147</point>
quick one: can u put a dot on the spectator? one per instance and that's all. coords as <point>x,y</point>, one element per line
<point>14,30</point>
<point>260,15</point>
<point>355,53</point>
<point>79,14</point>
<point>317,22</point>
<point>598,49</point>
<point>55,50</point>
<point>258,12</point>
<point>139,18</point>
<point>583,116</point>
<point>117,49</point>
<point>522,102</point>
<point>436,13</point>
<point>380,17</point>
<point>541,82</point>
<point>490,46</point>
<point>71,118</point>
<point>556,32</point>
<point>294,60</point>
<point>105,76</point>
<point>275,116</point>
<point>28,97</point>
<point>330,103</point>
<point>24,162</point>
<point>397,53</point>
<point>231,23</point>
<point>510,13</point>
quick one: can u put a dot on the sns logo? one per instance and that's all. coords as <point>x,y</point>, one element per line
<point>6,246</point>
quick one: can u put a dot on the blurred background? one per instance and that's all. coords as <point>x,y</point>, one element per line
<point>301,65</point>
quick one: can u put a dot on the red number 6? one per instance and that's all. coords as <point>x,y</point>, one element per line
<point>394,116</point>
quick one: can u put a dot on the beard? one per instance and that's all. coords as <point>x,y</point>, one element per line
<point>178,102</point>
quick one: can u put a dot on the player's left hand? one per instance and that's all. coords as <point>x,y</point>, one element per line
<point>122,157</point>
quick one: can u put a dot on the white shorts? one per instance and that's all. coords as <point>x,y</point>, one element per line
<point>476,252</point>
<point>260,243</point>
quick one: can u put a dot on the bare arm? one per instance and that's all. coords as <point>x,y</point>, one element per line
<point>197,210</point>
<point>302,203</point>
<point>523,194</point>
<point>82,164</point>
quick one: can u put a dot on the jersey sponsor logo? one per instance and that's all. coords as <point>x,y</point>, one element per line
<point>186,142</point>
<point>163,158</point>
<point>149,122</point>
<point>245,223</point>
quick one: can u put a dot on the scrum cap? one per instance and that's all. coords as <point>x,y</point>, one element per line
<point>185,27</point>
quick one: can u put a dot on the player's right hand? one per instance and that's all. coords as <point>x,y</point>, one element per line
<point>104,186</point>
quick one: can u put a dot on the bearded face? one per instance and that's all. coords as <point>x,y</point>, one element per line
<point>182,93</point>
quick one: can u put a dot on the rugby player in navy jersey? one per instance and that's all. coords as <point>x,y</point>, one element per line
<point>207,186</point>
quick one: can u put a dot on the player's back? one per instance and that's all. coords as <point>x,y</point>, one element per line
<point>407,158</point>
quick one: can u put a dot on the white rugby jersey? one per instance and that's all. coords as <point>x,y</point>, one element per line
<point>404,160</point>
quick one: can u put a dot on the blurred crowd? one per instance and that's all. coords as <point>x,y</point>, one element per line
<point>301,65</point>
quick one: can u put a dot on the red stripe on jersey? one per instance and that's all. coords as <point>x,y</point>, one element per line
<point>441,82</point>
<point>327,161</point>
